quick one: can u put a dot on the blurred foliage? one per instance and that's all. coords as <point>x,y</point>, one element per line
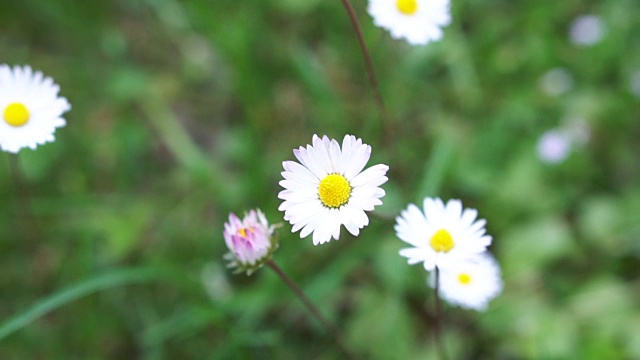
<point>183,110</point>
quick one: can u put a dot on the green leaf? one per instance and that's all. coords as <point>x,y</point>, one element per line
<point>66,296</point>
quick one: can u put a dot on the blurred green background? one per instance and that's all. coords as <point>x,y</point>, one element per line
<point>183,111</point>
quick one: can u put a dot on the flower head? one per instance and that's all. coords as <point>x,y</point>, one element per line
<point>472,283</point>
<point>586,30</point>
<point>556,81</point>
<point>442,235</point>
<point>419,21</point>
<point>328,188</point>
<point>30,108</point>
<point>249,240</point>
<point>554,146</point>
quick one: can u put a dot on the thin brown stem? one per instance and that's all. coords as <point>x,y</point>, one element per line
<point>373,80</point>
<point>438,328</point>
<point>326,323</point>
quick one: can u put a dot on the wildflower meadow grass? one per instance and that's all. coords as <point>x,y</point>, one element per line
<point>163,117</point>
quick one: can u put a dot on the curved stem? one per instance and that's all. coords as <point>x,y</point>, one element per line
<point>63,297</point>
<point>373,80</point>
<point>326,323</point>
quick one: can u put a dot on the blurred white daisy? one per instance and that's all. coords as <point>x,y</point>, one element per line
<point>249,240</point>
<point>471,283</point>
<point>578,129</point>
<point>30,107</point>
<point>556,81</point>
<point>328,188</point>
<point>554,146</point>
<point>442,235</point>
<point>586,30</point>
<point>418,21</point>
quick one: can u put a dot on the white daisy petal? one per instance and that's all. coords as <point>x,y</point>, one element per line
<point>365,204</point>
<point>298,196</point>
<point>454,208</point>
<point>373,176</point>
<point>30,109</point>
<point>321,152</point>
<point>308,161</point>
<point>414,255</point>
<point>295,171</point>
<point>328,188</point>
<point>368,192</point>
<point>336,157</point>
<point>310,227</point>
<point>335,223</point>
<point>468,216</point>
<point>347,149</point>
<point>444,233</point>
<point>352,228</point>
<point>357,161</point>
<point>304,212</point>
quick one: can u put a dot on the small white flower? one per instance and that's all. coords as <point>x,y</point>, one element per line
<point>554,146</point>
<point>556,82</point>
<point>586,30</point>
<point>418,21</point>
<point>30,108</point>
<point>471,283</point>
<point>249,240</point>
<point>328,188</point>
<point>579,130</point>
<point>442,235</point>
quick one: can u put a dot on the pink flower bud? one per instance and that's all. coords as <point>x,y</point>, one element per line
<point>249,241</point>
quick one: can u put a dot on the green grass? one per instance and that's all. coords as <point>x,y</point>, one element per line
<point>183,111</point>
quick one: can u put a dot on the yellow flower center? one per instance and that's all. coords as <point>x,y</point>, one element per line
<point>16,114</point>
<point>243,231</point>
<point>442,241</point>
<point>407,7</point>
<point>334,190</point>
<point>464,279</point>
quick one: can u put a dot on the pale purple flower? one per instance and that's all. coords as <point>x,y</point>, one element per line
<point>554,146</point>
<point>586,30</point>
<point>249,240</point>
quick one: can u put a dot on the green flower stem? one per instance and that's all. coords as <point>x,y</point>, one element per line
<point>439,314</point>
<point>326,323</point>
<point>373,80</point>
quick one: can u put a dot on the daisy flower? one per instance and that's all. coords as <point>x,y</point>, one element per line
<point>442,235</point>
<point>30,107</point>
<point>418,21</point>
<point>249,240</point>
<point>328,188</point>
<point>471,283</point>
<point>554,146</point>
<point>587,30</point>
